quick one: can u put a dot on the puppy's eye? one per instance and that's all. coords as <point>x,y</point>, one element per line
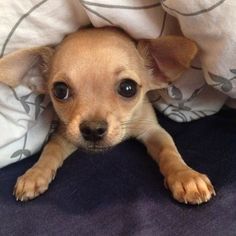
<point>61,91</point>
<point>127,88</point>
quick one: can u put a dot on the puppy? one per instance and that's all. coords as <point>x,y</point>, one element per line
<point>98,81</point>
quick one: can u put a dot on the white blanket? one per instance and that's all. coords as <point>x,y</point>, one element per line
<point>25,118</point>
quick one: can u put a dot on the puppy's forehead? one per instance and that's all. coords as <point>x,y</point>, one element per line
<point>95,48</point>
<point>97,37</point>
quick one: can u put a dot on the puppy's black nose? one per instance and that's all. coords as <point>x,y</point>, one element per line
<point>93,130</point>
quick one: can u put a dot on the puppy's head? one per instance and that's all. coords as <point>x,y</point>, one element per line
<point>98,78</point>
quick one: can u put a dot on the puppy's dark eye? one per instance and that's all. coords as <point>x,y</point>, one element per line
<point>127,88</point>
<point>61,91</point>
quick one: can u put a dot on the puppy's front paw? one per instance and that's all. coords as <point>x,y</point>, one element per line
<point>190,186</point>
<point>33,183</point>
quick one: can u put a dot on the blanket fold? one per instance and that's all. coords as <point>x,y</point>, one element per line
<point>209,83</point>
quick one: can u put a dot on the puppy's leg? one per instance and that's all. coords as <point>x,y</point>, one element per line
<point>186,184</point>
<point>36,180</point>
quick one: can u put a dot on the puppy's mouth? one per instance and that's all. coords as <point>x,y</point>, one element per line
<point>94,136</point>
<point>96,147</point>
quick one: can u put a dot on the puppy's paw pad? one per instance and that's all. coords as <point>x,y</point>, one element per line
<point>33,183</point>
<point>190,187</point>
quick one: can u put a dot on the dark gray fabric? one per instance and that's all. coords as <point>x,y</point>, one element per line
<point>121,192</point>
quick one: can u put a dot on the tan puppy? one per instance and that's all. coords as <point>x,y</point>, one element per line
<point>98,80</point>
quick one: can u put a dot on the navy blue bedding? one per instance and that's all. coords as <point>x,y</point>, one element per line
<point>121,192</point>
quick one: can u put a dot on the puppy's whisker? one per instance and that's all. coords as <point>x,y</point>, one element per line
<point>137,120</point>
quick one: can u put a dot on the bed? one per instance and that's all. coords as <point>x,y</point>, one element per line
<point>121,192</point>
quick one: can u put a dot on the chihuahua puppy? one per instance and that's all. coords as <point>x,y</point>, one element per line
<point>98,81</point>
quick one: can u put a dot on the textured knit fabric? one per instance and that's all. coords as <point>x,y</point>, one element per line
<point>122,193</point>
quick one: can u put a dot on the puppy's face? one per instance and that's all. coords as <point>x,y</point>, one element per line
<point>97,86</point>
<point>98,78</point>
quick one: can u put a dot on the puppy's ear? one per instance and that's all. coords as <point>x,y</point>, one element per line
<point>167,58</point>
<point>14,66</point>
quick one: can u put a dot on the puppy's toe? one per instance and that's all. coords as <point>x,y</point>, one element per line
<point>190,187</point>
<point>33,183</point>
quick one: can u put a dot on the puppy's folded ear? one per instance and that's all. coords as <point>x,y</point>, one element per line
<point>167,58</point>
<point>14,66</point>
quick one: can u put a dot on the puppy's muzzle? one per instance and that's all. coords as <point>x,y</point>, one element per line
<point>93,131</point>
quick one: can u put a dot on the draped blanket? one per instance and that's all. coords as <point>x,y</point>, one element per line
<point>210,83</point>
